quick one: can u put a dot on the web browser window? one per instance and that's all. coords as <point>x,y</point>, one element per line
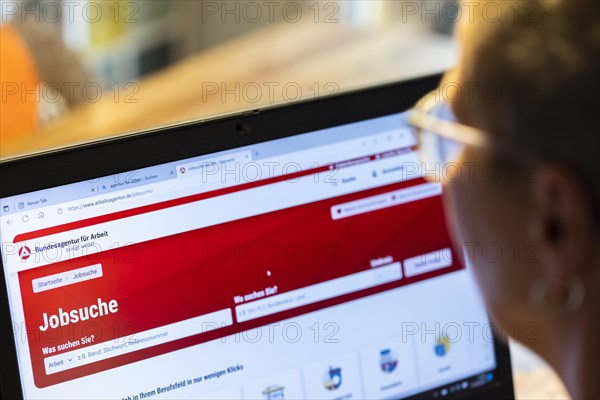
<point>314,266</point>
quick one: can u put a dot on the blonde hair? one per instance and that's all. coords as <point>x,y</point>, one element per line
<point>545,59</point>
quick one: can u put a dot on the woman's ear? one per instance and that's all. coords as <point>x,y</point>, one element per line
<point>562,232</point>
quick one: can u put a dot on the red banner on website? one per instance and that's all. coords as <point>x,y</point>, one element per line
<point>130,303</point>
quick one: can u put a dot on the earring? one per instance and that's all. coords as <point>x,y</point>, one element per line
<point>573,301</point>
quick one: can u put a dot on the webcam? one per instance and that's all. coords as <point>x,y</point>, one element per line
<point>243,128</point>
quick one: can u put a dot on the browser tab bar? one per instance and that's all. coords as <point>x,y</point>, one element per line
<point>132,179</point>
<point>210,165</point>
<point>345,150</point>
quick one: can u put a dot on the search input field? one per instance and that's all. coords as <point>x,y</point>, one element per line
<point>138,341</point>
<point>319,292</point>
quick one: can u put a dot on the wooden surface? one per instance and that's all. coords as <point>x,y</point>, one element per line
<point>307,54</point>
<point>539,384</point>
<point>330,57</point>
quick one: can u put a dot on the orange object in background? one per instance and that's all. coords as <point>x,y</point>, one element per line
<point>18,79</point>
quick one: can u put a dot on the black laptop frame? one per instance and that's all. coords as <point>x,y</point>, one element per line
<point>162,145</point>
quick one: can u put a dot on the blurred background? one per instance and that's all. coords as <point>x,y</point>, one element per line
<point>89,69</point>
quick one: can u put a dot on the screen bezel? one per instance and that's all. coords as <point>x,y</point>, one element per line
<point>162,145</point>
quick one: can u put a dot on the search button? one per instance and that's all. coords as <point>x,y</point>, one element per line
<point>428,262</point>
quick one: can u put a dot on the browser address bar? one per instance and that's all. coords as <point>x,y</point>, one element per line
<point>108,200</point>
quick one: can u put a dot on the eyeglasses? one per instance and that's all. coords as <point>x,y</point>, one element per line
<point>441,139</point>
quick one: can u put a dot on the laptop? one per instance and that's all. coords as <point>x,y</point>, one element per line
<point>288,252</point>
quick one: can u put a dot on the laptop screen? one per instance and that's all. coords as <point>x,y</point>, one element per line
<point>312,266</point>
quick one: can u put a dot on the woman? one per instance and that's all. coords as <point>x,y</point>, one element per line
<point>525,97</point>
